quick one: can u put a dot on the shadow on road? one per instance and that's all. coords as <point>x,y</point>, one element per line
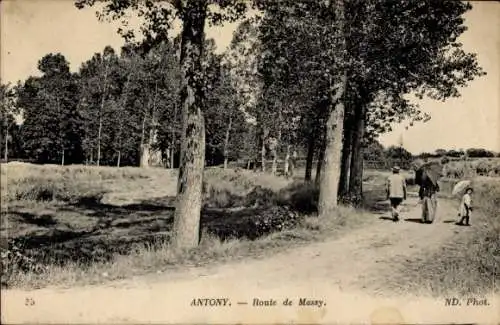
<point>415,220</point>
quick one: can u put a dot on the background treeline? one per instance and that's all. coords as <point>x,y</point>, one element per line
<point>470,153</point>
<point>118,109</point>
<point>122,110</point>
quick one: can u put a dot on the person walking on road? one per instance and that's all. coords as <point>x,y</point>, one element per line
<point>396,191</point>
<point>427,177</point>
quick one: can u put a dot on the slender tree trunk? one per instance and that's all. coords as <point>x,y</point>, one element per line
<point>263,156</point>
<point>155,155</point>
<point>346,157</point>
<point>99,134</point>
<point>321,157</point>
<point>61,133</point>
<point>6,149</point>
<point>172,154</point>
<point>286,168</point>
<point>274,166</point>
<point>143,162</point>
<point>310,156</point>
<point>101,110</point>
<point>149,152</point>
<point>189,191</point>
<point>263,149</point>
<point>119,158</point>
<point>356,168</point>
<point>226,143</point>
<point>121,121</point>
<point>277,145</point>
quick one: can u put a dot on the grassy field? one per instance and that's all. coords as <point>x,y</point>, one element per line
<point>79,224</point>
<point>472,167</point>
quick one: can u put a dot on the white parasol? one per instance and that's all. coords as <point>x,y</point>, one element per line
<point>460,187</point>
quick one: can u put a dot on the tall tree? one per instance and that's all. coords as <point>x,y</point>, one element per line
<point>159,18</point>
<point>421,56</point>
<point>52,127</point>
<point>7,116</point>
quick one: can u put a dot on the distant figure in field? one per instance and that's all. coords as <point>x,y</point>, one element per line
<point>465,208</point>
<point>396,191</point>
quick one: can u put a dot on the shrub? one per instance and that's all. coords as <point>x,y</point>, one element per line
<point>302,197</point>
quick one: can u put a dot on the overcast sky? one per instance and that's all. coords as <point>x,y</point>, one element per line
<point>32,28</point>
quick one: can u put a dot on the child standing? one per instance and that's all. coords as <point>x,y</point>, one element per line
<point>465,208</point>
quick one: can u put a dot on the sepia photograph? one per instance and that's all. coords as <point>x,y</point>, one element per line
<point>250,161</point>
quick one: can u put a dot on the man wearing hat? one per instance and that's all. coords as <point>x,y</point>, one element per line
<point>396,191</point>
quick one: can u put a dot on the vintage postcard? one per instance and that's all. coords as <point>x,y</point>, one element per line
<point>250,161</point>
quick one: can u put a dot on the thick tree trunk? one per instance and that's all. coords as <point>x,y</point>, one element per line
<point>346,157</point>
<point>226,143</point>
<point>310,156</point>
<point>330,173</point>
<point>189,191</point>
<point>356,168</point>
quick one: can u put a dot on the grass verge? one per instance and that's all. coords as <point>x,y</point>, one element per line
<point>160,257</point>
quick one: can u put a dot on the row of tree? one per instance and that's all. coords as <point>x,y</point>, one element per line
<point>325,75</point>
<point>118,109</point>
<point>471,153</point>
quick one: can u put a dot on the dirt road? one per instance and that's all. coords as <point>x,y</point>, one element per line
<point>336,278</point>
